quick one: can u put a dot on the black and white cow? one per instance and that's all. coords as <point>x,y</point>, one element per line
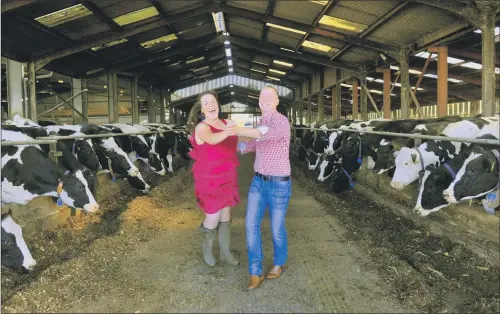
<point>479,175</point>
<point>111,157</point>
<point>27,172</point>
<point>136,146</point>
<point>68,160</point>
<point>82,148</point>
<point>162,143</point>
<point>410,161</point>
<point>15,253</point>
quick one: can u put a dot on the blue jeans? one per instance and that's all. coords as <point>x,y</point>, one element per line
<point>274,195</point>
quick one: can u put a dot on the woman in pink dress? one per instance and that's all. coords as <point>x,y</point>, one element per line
<point>214,172</point>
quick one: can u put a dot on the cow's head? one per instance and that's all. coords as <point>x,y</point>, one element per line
<point>326,166</point>
<point>313,160</point>
<point>84,150</point>
<point>156,163</point>
<point>430,195</point>
<point>138,183</point>
<point>77,193</point>
<point>408,164</point>
<point>120,162</point>
<point>478,176</point>
<point>341,179</point>
<point>385,157</point>
<point>15,252</point>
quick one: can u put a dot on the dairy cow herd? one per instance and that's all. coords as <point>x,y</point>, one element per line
<point>28,171</point>
<point>446,172</point>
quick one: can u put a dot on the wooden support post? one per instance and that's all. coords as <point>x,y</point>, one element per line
<point>355,99</point>
<point>112,99</point>
<point>85,101</point>
<point>301,112</point>
<point>321,106</point>
<point>488,57</point>
<point>364,99</point>
<point>151,106</point>
<point>442,81</point>
<point>134,100</point>
<point>32,92</point>
<point>309,109</point>
<point>15,78</point>
<point>387,91</point>
<point>405,84</point>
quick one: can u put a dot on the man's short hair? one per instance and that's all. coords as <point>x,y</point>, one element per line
<point>273,88</point>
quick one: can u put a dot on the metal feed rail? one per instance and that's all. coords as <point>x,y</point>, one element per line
<point>71,137</point>
<point>34,142</point>
<point>415,136</point>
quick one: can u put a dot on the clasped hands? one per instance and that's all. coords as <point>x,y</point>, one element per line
<point>231,130</point>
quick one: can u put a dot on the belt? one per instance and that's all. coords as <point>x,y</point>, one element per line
<point>272,178</point>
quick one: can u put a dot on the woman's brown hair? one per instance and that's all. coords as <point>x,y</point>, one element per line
<point>195,115</point>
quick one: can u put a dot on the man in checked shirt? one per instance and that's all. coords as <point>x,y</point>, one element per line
<point>271,186</point>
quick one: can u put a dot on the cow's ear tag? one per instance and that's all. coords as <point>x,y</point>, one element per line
<point>351,184</point>
<point>491,196</point>
<point>59,191</point>
<point>136,155</point>
<point>360,160</point>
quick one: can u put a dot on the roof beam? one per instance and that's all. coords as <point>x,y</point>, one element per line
<point>270,10</point>
<point>268,48</point>
<point>306,28</point>
<point>386,17</point>
<point>100,15</point>
<point>165,16</point>
<point>285,81</point>
<point>106,37</point>
<point>325,9</point>
<point>175,50</point>
<point>10,5</point>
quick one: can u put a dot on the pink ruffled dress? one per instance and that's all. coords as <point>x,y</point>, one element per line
<point>215,173</point>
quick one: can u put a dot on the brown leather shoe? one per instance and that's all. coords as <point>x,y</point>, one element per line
<point>275,272</point>
<point>255,281</point>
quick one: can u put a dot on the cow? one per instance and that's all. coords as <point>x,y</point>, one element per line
<point>82,148</point>
<point>410,161</point>
<point>136,146</point>
<point>161,143</point>
<point>15,253</point>
<point>67,160</point>
<point>111,157</point>
<point>27,172</point>
<point>479,175</point>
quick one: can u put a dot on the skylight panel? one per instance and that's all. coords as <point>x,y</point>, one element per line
<point>63,16</point>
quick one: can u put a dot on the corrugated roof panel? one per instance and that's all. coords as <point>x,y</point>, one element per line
<point>299,11</point>
<point>82,27</point>
<point>37,9</point>
<point>86,62</point>
<point>33,39</point>
<point>240,26</point>
<point>170,5</point>
<point>326,41</point>
<point>118,9</point>
<point>414,22</point>
<point>194,22</point>
<point>365,12</point>
<point>257,6</point>
<point>358,55</point>
<point>303,69</point>
<point>294,77</point>
<point>152,34</point>
<point>283,38</point>
<point>120,52</point>
<point>197,32</point>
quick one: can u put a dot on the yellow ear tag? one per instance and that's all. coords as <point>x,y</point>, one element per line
<point>470,202</point>
<point>492,166</point>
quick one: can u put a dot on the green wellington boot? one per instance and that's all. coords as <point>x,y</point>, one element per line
<point>206,247</point>
<point>224,243</point>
